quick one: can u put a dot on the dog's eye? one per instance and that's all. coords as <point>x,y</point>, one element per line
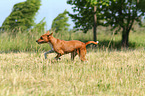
<point>41,38</point>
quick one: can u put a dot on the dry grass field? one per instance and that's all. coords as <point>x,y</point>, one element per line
<point>107,73</point>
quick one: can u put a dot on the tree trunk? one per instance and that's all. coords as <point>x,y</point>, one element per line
<point>125,38</point>
<point>95,25</point>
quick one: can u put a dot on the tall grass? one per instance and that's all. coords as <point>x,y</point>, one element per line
<point>25,41</point>
<point>120,73</point>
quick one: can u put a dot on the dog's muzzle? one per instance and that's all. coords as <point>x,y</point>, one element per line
<point>37,42</point>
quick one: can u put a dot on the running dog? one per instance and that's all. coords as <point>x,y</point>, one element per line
<point>62,47</point>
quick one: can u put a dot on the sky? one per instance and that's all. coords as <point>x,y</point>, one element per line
<point>48,9</point>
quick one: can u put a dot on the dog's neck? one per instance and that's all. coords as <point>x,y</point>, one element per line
<point>52,42</point>
<point>50,45</point>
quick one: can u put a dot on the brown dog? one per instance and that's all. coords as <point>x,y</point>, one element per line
<point>62,47</point>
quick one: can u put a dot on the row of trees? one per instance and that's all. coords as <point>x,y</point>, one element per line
<point>88,14</point>
<point>60,22</point>
<point>23,15</point>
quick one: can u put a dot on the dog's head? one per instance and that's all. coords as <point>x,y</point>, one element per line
<point>45,38</point>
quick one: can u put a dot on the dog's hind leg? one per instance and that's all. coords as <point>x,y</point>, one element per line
<point>73,54</point>
<point>50,51</point>
<point>83,54</point>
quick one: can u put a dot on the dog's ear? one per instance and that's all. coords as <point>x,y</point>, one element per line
<point>50,34</point>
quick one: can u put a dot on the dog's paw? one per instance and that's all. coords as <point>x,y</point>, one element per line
<point>86,62</point>
<point>57,58</point>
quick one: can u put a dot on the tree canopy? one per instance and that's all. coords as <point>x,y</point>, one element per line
<point>87,14</point>
<point>22,15</point>
<point>84,11</point>
<point>119,14</point>
<point>39,27</point>
<point>60,22</point>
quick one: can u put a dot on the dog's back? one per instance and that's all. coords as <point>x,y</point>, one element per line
<point>69,46</point>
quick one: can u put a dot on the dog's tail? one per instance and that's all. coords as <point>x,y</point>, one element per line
<point>92,42</point>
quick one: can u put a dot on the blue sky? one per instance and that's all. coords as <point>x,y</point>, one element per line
<point>49,9</point>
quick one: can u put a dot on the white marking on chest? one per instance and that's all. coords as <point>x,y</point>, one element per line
<point>50,45</point>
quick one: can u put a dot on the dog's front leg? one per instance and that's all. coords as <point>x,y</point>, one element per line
<point>50,51</point>
<point>58,55</point>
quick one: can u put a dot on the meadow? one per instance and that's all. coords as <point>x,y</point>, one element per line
<point>111,70</point>
<point>119,73</point>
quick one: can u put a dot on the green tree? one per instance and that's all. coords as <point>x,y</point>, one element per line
<point>87,14</point>
<point>121,15</point>
<point>22,15</point>
<point>60,22</point>
<point>40,26</point>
